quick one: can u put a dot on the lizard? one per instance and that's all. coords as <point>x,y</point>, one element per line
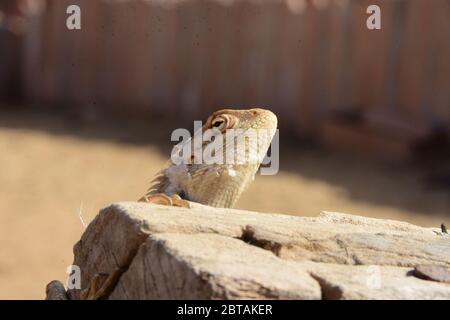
<point>217,184</point>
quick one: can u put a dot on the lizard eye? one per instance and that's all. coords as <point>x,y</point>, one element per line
<point>223,122</point>
<point>217,123</point>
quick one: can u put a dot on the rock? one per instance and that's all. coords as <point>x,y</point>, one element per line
<point>55,291</point>
<point>211,253</point>
<point>432,272</point>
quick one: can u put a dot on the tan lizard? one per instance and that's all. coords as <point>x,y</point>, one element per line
<point>219,184</point>
<point>214,184</point>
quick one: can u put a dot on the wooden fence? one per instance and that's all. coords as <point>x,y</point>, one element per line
<point>307,60</point>
<point>11,41</point>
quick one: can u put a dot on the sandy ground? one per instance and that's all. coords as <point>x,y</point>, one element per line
<point>55,173</point>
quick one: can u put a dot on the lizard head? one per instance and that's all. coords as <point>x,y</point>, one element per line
<point>253,128</point>
<point>255,118</point>
<point>230,147</point>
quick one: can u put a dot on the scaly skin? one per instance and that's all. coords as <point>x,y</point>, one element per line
<point>218,185</point>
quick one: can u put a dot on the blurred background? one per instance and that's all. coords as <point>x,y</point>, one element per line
<point>86,115</point>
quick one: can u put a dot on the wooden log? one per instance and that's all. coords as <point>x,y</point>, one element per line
<point>161,252</point>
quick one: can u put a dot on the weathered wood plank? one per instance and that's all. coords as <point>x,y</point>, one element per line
<point>212,253</point>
